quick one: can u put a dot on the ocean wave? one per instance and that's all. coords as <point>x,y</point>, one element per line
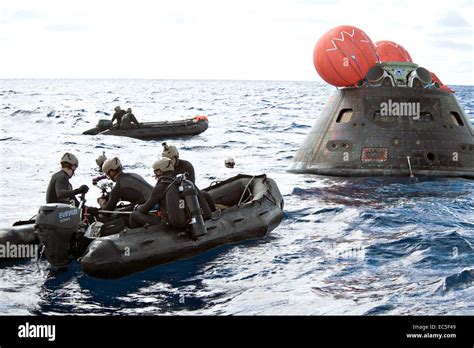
<point>21,112</point>
<point>430,250</point>
<point>459,281</point>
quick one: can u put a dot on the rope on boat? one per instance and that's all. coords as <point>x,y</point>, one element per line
<point>245,190</point>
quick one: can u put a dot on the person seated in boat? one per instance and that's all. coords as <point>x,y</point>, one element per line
<point>184,167</point>
<point>119,113</point>
<point>60,189</point>
<point>128,186</point>
<point>129,120</point>
<point>100,161</point>
<point>163,197</point>
<point>180,166</point>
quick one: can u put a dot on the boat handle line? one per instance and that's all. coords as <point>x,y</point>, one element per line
<point>409,167</point>
<point>245,190</point>
<point>121,212</point>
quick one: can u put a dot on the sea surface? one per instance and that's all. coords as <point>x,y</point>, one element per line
<point>351,246</point>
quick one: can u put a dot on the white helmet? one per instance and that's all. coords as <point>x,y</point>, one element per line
<point>70,158</point>
<point>111,164</point>
<point>101,159</point>
<point>229,162</point>
<point>169,151</point>
<point>117,108</point>
<point>164,164</point>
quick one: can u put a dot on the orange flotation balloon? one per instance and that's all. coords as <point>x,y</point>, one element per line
<point>200,118</point>
<point>390,51</point>
<point>344,55</point>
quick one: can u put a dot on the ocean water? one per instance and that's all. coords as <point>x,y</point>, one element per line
<point>359,246</point>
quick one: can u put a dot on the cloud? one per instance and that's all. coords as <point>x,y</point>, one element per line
<point>451,44</point>
<point>8,16</point>
<point>68,28</point>
<point>24,15</point>
<point>211,39</point>
<point>452,19</point>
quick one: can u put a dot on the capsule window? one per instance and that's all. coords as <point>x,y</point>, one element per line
<point>344,116</point>
<point>457,120</point>
<point>426,116</point>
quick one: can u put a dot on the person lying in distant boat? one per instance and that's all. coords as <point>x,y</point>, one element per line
<point>129,120</point>
<point>118,115</point>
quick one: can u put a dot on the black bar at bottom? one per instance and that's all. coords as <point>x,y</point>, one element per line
<point>260,330</point>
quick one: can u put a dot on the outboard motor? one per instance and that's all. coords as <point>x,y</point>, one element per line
<point>188,192</point>
<point>103,125</point>
<point>57,225</point>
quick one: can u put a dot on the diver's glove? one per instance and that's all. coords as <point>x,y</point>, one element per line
<point>82,189</point>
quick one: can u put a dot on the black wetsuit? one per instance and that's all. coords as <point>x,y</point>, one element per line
<point>140,216</point>
<point>128,121</point>
<point>128,187</point>
<point>118,116</point>
<point>60,189</point>
<point>185,167</point>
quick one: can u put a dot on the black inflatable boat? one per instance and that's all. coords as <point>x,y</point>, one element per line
<point>16,241</point>
<point>248,207</point>
<point>154,130</point>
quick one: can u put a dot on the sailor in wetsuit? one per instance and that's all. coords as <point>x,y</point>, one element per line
<point>128,186</point>
<point>119,113</point>
<point>100,161</point>
<point>180,167</point>
<point>163,169</point>
<point>59,188</point>
<point>129,120</point>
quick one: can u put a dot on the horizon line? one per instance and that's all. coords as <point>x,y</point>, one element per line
<point>180,79</point>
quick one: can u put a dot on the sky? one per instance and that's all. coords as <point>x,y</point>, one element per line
<point>221,39</point>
